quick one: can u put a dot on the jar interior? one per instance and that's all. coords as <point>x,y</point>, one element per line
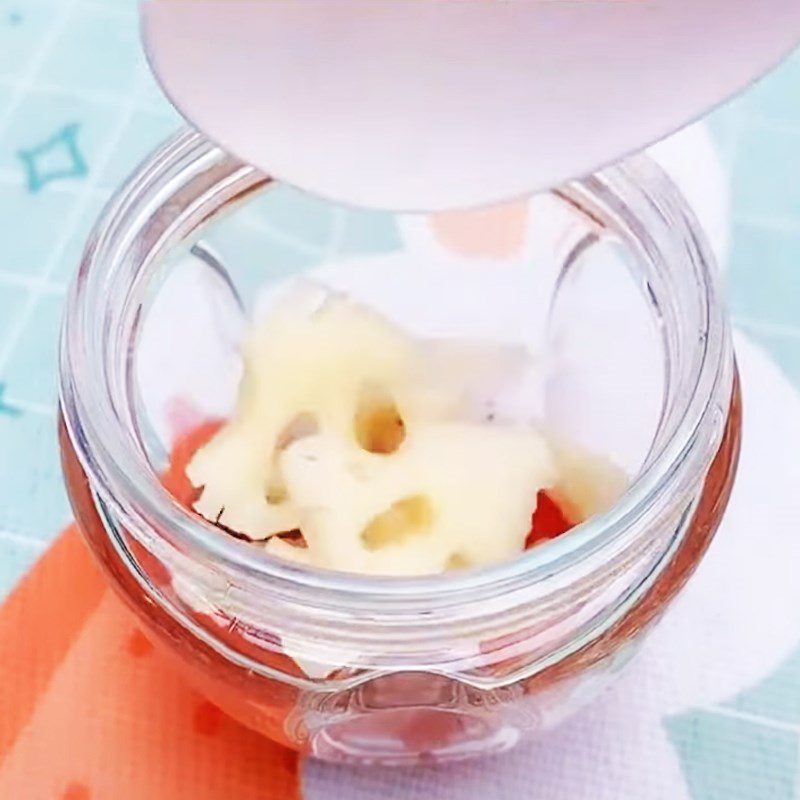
<point>563,285</point>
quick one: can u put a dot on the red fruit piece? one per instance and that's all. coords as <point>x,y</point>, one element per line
<point>174,479</point>
<point>547,521</point>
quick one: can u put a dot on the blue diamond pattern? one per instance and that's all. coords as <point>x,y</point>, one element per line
<point>56,159</point>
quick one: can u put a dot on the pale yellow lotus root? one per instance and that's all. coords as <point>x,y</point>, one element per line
<point>366,441</point>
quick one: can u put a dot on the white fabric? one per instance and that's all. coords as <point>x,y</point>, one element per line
<point>732,626</point>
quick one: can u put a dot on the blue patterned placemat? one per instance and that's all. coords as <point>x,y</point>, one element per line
<point>78,110</point>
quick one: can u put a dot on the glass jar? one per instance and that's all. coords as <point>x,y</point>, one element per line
<point>402,670</point>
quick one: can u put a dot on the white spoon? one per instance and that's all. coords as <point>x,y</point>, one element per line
<point>432,104</point>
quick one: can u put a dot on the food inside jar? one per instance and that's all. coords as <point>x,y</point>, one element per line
<point>356,446</point>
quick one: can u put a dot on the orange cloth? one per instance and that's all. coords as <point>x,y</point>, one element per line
<point>89,711</point>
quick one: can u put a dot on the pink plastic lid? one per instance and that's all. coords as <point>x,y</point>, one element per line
<point>428,104</point>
